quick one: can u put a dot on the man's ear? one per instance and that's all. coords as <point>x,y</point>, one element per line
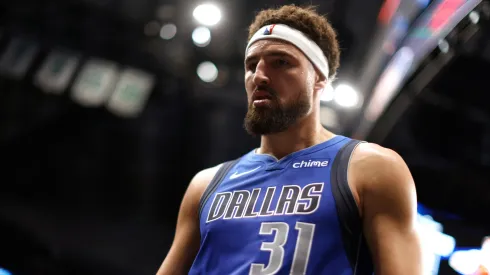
<point>320,82</point>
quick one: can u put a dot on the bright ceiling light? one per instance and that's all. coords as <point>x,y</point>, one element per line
<point>201,36</point>
<point>474,17</point>
<point>465,261</point>
<point>207,14</point>
<point>485,251</point>
<point>346,96</point>
<point>207,71</point>
<point>168,31</point>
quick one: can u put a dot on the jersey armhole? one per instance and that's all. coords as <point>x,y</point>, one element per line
<point>215,182</point>
<point>348,212</point>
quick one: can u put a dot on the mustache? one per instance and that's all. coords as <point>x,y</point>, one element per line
<point>267,89</point>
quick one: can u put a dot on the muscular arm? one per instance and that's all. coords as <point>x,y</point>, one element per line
<point>187,236</point>
<point>389,209</point>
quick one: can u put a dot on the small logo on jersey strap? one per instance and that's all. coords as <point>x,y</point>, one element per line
<point>310,164</point>
<point>268,30</point>
<point>237,175</point>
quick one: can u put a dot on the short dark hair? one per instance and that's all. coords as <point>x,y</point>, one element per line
<point>308,21</point>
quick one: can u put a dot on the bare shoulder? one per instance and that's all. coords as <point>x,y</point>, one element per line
<point>372,154</point>
<point>374,168</point>
<point>186,240</point>
<point>201,180</point>
<point>373,162</point>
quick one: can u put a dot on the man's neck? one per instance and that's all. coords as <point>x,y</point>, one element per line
<point>297,137</point>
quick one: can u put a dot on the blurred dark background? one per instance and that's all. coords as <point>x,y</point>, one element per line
<point>107,111</point>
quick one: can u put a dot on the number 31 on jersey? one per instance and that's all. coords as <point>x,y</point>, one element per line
<point>276,248</point>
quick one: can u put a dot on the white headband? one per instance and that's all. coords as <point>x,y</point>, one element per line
<point>297,38</point>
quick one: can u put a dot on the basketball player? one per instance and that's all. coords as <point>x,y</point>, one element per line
<point>306,201</point>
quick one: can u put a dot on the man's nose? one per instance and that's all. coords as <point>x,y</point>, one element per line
<point>260,76</point>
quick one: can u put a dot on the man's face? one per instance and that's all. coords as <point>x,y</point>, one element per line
<point>279,80</point>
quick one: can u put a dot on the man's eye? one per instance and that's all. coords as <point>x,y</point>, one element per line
<point>251,67</point>
<point>282,62</point>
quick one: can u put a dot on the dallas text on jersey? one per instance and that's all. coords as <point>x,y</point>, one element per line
<point>293,200</point>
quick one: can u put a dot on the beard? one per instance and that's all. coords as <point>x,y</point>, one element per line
<point>275,117</point>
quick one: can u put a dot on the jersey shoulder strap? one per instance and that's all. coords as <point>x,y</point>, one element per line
<point>215,182</point>
<point>348,212</point>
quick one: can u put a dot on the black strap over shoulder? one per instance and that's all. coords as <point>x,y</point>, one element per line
<point>346,204</point>
<point>215,182</point>
<point>348,212</point>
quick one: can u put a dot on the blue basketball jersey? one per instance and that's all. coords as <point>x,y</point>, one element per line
<point>291,216</point>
